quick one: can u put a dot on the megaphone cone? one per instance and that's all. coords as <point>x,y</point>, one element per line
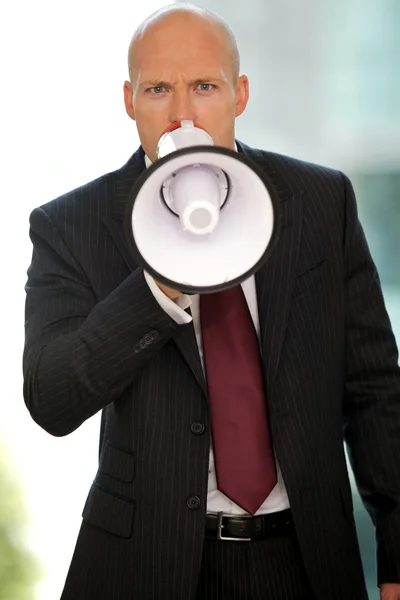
<point>202,218</point>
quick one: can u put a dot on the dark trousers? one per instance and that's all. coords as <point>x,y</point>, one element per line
<point>269,569</point>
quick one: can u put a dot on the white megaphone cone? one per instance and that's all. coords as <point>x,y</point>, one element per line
<point>201,218</point>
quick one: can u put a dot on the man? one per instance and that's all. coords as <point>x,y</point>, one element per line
<point>103,335</point>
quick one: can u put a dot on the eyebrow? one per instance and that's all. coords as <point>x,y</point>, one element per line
<point>157,82</point>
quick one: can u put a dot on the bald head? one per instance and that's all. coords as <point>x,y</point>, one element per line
<point>188,15</point>
<point>184,65</point>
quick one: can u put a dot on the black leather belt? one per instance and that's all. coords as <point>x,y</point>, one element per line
<point>228,527</point>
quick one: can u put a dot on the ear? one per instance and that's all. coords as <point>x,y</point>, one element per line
<point>128,99</point>
<point>242,94</point>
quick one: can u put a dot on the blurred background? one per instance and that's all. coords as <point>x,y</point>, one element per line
<point>325,87</point>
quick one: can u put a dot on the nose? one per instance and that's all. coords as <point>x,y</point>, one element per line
<point>182,106</point>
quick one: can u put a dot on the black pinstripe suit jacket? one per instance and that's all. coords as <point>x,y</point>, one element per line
<point>96,339</point>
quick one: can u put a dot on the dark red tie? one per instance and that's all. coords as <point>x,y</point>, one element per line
<point>244,458</point>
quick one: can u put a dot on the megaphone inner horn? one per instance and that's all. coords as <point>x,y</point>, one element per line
<point>196,194</point>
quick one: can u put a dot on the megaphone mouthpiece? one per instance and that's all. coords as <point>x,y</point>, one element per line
<point>186,135</point>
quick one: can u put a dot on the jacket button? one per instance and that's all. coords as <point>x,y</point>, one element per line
<point>197,427</point>
<point>154,334</point>
<point>193,502</point>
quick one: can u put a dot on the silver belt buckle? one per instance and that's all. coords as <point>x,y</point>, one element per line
<point>220,527</point>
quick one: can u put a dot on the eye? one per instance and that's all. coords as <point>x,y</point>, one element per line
<point>158,89</point>
<point>205,87</point>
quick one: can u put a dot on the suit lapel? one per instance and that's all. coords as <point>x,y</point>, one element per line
<point>274,284</point>
<point>119,189</point>
<point>275,279</point>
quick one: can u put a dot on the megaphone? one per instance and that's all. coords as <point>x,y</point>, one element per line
<point>201,218</point>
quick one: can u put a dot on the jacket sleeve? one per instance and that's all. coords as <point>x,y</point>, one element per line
<point>372,395</point>
<point>80,354</point>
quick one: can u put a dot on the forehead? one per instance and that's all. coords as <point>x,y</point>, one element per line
<point>184,44</point>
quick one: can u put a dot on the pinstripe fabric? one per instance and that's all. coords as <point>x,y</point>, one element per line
<point>263,570</point>
<point>97,340</point>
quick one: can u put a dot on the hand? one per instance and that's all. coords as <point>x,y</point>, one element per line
<point>390,591</point>
<point>173,294</point>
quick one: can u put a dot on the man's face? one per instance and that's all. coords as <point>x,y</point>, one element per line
<point>182,69</point>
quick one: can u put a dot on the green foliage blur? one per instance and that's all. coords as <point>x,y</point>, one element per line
<point>19,569</point>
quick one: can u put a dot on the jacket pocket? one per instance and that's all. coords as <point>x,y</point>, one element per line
<point>109,512</point>
<point>117,463</point>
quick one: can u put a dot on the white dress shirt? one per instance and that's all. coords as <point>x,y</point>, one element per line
<point>216,500</point>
